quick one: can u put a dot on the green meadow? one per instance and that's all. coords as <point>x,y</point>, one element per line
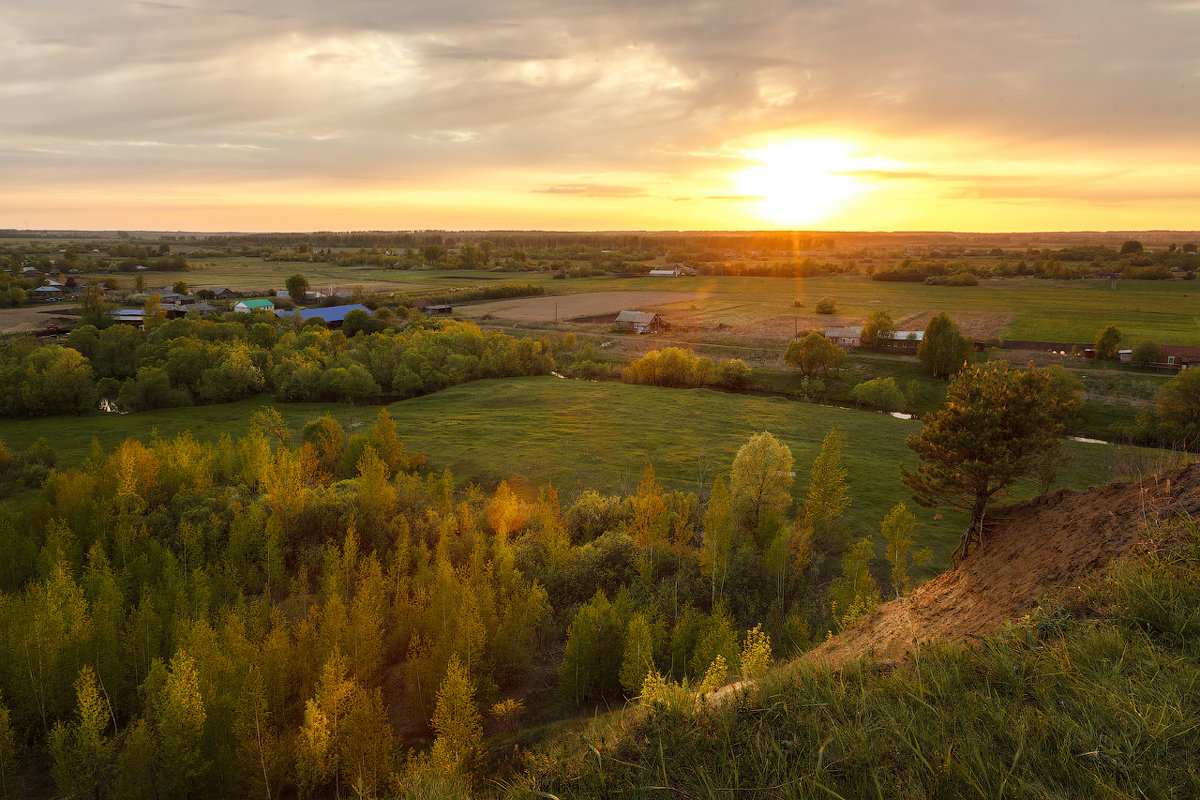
<point>1022,308</point>
<point>580,435</point>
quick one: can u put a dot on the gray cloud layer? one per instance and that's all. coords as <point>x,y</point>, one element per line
<point>408,91</point>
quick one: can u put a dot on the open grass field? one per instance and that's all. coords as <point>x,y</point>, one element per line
<point>241,273</point>
<point>582,435</point>
<point>569,307</point>
<point>1016,308</point>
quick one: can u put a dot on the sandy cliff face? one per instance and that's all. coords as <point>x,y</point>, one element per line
<point>1029,549</point>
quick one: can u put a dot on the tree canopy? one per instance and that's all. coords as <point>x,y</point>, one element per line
<point>814,352</point>
<point>1178,403</point>
<point>997,426</point>
<point>297,288</point>
<point>760,481</point>
<point>944,349</point>
<point>879,327</point>
<point>1107,342</point>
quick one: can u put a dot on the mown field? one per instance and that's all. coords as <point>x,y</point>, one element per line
<point>581,435</point>
<point>1015,308</point>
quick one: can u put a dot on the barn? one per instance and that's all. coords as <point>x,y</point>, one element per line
<point>640,322</point>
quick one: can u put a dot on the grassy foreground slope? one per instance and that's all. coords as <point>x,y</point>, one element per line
<point>1092,695</point>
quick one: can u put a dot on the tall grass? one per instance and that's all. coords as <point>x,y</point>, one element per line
<point>1097,695</point>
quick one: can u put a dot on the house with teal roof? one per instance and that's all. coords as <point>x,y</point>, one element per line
<point>257,304</point>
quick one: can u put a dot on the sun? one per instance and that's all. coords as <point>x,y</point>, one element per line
<point>801,182</point>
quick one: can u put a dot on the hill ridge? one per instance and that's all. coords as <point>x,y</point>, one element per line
<point>1029,549</point>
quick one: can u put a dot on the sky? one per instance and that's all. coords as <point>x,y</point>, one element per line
<point>298,115</point>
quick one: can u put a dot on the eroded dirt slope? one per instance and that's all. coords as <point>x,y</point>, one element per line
<point>1029,549</point>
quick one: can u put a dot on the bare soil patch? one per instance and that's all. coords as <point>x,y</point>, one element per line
<point>34,318</point>
<point>978,326</point>
<point>572,306</point>
<point>1029,548</point>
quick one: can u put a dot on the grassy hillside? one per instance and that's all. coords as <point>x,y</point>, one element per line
<point>582,435</point>
<point>1094,696</point>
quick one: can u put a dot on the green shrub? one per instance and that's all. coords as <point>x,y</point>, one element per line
<point>733,373</point>
<point>880,393</point>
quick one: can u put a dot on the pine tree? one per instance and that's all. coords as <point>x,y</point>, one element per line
<point>82,753</point>
<point>181,716</point>
<point>998,425</point>
<point>637,658</point>
<point>897,528</point>
<point>854,593</point>
<point>828,496</point>
<point>386,443</point>
<point>456,720</point>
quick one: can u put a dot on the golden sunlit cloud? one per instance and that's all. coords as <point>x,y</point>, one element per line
<point>804,181</point>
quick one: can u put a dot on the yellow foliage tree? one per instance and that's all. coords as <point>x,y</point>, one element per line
<point>760,482</point>
<point>897,531</point>
<point>828,497</point>
<point>506,512</point>
<point>456,720</point>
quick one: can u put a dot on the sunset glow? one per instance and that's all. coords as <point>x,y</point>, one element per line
<point>802,183</point>
<point>473,115</point>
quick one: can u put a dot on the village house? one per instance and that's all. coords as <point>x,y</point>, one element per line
<point>844,335</point>
<point>850,336</point>
<point>257,304</point>
<point>640,322</point>
<point>1178,356</point>
<point>332,316</point>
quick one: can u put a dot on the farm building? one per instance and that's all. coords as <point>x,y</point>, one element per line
<point>844,335</point>
<point>175,310</point>
<point>128,316</point>
<point>333,316</point>
<point>1178,356</point>
<point>258,304</point>
<point>851,336</point>
<point>675,271</point>
<point>641,322</point>
<point>311,295</point>
<point>437,310</point>
<point>902,342</point>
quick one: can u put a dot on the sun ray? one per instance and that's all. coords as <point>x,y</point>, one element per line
<point>802,181</point>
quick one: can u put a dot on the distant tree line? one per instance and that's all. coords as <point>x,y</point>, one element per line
<point>184,361</point>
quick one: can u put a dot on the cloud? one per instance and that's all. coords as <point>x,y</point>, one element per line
<point>593,190</point>
<point>461,88</point>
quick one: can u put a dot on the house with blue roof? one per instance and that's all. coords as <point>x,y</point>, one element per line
<point>333,316</point>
